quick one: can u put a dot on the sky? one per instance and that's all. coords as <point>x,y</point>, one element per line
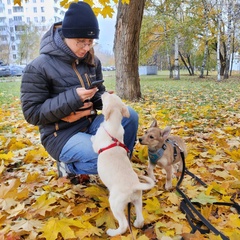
<point>107,30</point>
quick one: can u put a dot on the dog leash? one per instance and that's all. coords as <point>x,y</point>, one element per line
<point>189,209</point>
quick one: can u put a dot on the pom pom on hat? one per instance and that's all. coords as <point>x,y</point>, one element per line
<point>80,22</point>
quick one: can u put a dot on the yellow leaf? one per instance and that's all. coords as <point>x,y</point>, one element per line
<point>106,217</point>
<point>8,203</point>
<point>235,154</point>
<point>222,174</point>
<point>32,177</point>
<point>208,190</point>
<point>206,211</point>
<point>95,191</point>
<point>24,193</point>
<point>152,205</point>
<point>35,155</point>
<point>17,2</point>
<point>10,190</point>
<point>16,210</point>
<point>6,156</point>
<point>173,198</point>
<point>42,205</point>
<point>218,187</point>
<point>107,11</point>
<point>213,236</point>
<point>234,220</point>
<point>176,226</point>
<point>54,226</point>
<point>2,167</point>
<point>88,230</point>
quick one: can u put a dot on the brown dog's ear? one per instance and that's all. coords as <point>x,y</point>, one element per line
<point>125,111</point>
<point>166,131</point>
<point>154,123</point>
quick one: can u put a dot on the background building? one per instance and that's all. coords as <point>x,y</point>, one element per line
<point>21,27</point>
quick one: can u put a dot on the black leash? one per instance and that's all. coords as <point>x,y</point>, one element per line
<point>129,220</point>
<point>188,208</point>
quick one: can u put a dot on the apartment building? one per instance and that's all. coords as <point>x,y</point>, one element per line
<point>40,13</point>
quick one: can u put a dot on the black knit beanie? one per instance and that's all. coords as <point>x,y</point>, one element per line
<point>80,22</point>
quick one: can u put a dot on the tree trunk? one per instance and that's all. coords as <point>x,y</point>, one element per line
<point>218,44</point>
<point>206,41</point>
<point>229,36</point>
<point>176,62</point>
<point>184,62</point>
<point>126,49</point>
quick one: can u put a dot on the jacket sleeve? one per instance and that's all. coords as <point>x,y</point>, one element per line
<point>39,105</point>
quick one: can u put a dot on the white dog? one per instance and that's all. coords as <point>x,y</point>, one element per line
<point>114,167</point>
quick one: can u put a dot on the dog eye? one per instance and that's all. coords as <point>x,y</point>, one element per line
<point>151,136</point>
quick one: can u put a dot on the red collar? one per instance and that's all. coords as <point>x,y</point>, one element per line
<point>115,144</point>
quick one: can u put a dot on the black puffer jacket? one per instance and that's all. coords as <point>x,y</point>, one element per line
<point>48,91</point>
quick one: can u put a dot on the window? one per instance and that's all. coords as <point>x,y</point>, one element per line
<point>13,47</point>
<point>17,9</point>
<point>3,38</point>
<point>42,9</point>
<point>17,18</point>
<point>19,28</point>
<point>35,10</point>
<point>14,56</point>
<point>35,19</point>
<point>9,11</point>
<point>43,19</point>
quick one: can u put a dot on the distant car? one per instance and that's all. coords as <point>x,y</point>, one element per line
<point>16,70</point>
<point>4,71</point>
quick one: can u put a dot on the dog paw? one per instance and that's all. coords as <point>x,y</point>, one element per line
<point>114,232</point>
<point>168,187</point>
<point>138,224</point>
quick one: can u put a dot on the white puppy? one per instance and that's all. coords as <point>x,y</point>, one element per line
<point>114,167</point>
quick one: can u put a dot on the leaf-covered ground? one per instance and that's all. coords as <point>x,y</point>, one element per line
<point>35,204</point>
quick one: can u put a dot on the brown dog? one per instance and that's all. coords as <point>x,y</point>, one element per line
<point>163,150</point>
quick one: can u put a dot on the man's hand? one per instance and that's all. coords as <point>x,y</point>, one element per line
<point>86,94</point>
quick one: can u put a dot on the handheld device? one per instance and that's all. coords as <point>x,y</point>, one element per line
<point>95,84</point>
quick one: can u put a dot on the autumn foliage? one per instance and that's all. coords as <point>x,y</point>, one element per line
<point>36,204</point>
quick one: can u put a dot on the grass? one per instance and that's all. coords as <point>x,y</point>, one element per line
<point>150,84</point>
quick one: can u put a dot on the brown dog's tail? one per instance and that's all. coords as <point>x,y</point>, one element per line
<point>149,183</point>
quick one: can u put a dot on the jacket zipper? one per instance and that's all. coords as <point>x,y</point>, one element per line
<point>78,74</point>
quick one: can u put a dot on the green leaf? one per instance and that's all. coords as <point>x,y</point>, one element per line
<point>204,199</point>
